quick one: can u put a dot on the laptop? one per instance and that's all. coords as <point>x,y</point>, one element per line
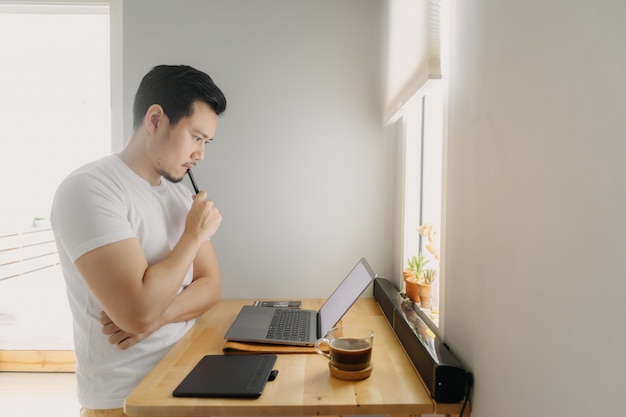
<point>264,324</point>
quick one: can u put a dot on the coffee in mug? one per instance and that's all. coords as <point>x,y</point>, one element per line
<point>349,351</point>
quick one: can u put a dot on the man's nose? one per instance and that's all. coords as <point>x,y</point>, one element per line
<point>198,155</point>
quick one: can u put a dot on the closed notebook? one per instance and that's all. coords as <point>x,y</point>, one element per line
<point>227,376</point>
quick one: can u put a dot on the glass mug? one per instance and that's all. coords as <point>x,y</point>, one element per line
<point>349,351</point>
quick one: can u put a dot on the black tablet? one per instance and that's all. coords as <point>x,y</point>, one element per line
<point>227,376</point>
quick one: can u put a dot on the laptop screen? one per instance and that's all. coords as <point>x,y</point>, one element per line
<point>345,295</point>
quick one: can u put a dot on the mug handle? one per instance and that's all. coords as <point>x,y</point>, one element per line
<point>320,342</point>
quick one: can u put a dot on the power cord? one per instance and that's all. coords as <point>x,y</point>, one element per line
<point>469,378</point>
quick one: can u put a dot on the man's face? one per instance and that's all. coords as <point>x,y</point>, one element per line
<point>179,147</point>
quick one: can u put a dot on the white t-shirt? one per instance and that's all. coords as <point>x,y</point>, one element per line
<point>101,203</point>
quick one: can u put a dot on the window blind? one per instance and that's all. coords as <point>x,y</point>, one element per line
<point>413,51</point>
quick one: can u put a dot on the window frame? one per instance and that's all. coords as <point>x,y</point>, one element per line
<point>56,359</point>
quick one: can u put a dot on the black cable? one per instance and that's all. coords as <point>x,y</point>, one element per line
<point>470,383</point>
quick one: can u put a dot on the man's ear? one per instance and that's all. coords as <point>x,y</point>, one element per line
<point>153,117</point>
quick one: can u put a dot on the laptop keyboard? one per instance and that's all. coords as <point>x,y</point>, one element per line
<point>287,324</point>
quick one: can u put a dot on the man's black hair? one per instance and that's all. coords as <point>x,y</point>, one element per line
<point>175,88</point>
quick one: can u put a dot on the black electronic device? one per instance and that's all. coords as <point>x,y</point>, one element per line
<point>442,373</point>
<point>286,304</point>
<point>228,376</point>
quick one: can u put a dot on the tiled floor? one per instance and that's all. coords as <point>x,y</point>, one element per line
<point>26,394</point>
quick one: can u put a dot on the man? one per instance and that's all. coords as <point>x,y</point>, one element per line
<point>134,244</point>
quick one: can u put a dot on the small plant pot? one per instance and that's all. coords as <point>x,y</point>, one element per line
<point>407,274</point>
<point>412,289</point>
<point>424,292</point>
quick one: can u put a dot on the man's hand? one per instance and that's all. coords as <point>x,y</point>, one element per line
<point>203,218</point>
<point>123,340</point>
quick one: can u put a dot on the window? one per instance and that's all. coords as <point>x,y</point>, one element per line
<point>55,101</point>
<point>423,153</point>
<point>416,87</point>
<point>55,106</point>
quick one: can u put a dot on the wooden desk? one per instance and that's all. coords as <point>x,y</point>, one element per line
<point>303,386</point>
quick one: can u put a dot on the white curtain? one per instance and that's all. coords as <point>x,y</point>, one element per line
<point>413,51</point>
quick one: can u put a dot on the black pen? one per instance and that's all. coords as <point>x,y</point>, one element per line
<point>193,181</point>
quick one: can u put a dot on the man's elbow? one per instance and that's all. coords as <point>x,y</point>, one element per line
<point>137,323</point>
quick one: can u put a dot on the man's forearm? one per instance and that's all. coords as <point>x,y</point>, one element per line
<point>193,301</point>
<point>196,299</point>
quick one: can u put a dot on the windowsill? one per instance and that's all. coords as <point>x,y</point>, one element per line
<point>37,361</point>
<point>430,317</point>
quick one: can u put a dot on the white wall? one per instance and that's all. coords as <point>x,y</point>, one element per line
<point>304,173</point>
<point>300,167</point>
<point>535,221</point>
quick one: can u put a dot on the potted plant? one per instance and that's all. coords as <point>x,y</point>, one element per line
<point>428,231</point>
<point>412,276</point>
<point>424,287</point>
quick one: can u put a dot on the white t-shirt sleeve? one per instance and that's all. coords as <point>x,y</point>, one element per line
<point>89,212</point>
